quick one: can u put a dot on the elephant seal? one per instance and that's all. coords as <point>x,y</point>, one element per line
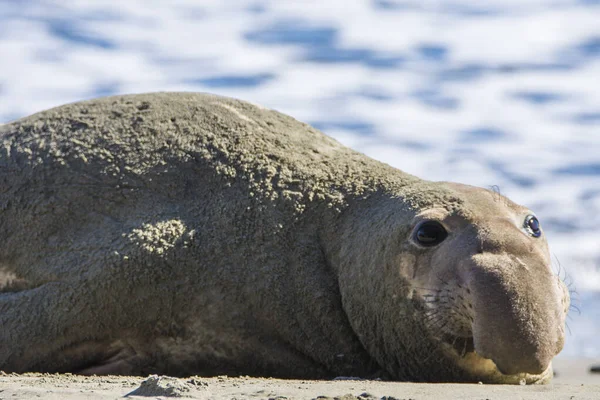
<point>181,233</point>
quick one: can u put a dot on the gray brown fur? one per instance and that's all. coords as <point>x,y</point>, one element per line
<point>181,233</point>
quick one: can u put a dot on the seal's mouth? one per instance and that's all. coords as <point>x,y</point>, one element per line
<point>462,345</point>
<point>462,350</point>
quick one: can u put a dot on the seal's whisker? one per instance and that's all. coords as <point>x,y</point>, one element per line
<point>427,289</point>
<point>436,323</point>
<point>496,190</point>
<point>562,273</point>
<point>441,327</point>
<point>573,293</point>
<point>434,319</point>
<point>559,271</point>
<point>442,280</point>
<point>431,312</point>
<point>575,308</point>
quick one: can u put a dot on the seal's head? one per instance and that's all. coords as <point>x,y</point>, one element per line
<point>491,296</point>
<point>452,283</point>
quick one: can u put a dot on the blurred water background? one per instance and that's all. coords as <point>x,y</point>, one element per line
<point>499,93</point>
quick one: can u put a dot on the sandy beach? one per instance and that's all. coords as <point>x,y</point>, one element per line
<point>572,381</point>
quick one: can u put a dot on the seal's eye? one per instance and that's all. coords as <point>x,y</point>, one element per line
<point>533,226</point>
<point>430,233</point>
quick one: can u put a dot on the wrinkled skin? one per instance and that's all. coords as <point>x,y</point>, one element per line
<point>193,234</point>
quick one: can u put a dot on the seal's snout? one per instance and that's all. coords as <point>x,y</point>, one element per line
<point>518,320</point>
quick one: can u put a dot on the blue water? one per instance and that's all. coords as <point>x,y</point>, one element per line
<point>496,93</point>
